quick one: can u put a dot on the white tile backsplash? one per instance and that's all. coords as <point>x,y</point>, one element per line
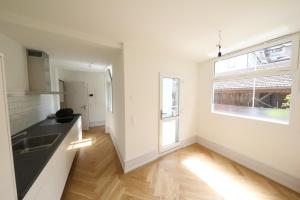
<point>26,110</point>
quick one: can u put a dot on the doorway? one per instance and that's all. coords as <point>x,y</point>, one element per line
<point>77,98</point>
<point>169,113</point>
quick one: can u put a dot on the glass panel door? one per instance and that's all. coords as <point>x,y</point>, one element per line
<point>169,119</point>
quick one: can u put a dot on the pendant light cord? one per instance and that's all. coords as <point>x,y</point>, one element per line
<point>219,44</point>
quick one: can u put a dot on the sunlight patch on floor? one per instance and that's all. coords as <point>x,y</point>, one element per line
<point>80,144</point>
<point>219,181</point>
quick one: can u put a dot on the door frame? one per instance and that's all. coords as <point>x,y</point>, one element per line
<point>8,190</point>
<point>175,145</point>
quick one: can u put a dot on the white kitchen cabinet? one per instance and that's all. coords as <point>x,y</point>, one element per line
<point>51,181</point>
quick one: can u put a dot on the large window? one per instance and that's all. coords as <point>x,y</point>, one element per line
<point>258,83</point>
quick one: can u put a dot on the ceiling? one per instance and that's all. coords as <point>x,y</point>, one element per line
<point>186,29</point>
<point>64,51</point>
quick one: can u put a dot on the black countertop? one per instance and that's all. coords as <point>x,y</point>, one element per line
<point>28,166</point>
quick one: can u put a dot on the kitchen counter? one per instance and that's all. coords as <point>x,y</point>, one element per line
<point>29,165</point>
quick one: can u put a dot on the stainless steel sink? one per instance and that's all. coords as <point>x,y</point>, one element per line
<point>30,144</point>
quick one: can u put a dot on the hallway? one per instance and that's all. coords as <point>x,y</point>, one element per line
<point>193,172</point>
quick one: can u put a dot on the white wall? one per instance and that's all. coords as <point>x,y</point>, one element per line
<point>54,76</point>
<point>15,64</point>
<point>142,77</point>
<point>274,145</point>
<point>115,120</point>
<point>24,110</point>
<point>96,86</point>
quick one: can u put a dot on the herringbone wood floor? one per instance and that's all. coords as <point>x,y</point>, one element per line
<point>193,172</point>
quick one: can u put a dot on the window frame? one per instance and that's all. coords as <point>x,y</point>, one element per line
<point>292,69</point>
<point>109,105</point>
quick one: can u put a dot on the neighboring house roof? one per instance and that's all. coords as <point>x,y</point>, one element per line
<point>266,82</point>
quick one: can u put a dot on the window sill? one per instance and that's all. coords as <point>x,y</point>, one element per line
<point>249,117</point>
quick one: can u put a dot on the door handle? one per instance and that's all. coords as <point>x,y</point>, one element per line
<point>161,114</point>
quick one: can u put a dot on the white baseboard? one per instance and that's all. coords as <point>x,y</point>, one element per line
<point>97,123</point>
<point>189,141</point>
<point>140,161</point>
<point>153,155</point>
<point>117,150</point>
<point>274,174</point>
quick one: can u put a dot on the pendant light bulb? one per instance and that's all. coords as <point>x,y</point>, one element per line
<point>219,53</point>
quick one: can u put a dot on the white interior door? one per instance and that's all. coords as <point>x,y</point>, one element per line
<point>169,112</point>
<point>76,97</point>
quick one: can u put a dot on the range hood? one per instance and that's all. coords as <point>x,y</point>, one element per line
<point>38,72</point>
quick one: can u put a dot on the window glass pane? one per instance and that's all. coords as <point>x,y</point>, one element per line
<point>109,88</point>
<point>233,93</point>
<point>170,98</point>
<point>278,56</point>
<point>169,132</point>
<point>232,66</point>
<point>272,57</point>
<point>266,97</point>
<point>273,96</point>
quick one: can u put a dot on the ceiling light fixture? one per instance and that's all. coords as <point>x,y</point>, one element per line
<point>219,44</point>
